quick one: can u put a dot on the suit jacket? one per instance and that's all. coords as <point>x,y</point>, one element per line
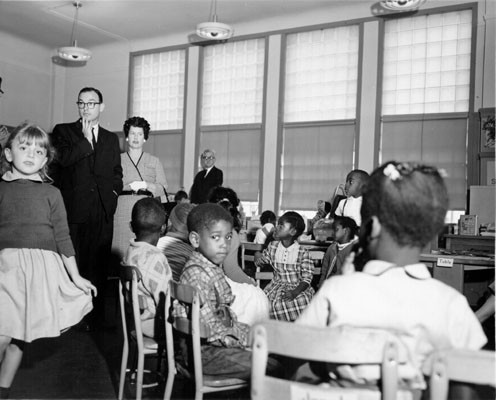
<point>79,170</point>
<point>203,184</point>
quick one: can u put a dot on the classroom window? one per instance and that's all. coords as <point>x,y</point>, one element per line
<point>425,95</point>
<point>158,88</point>
<point>232,88</point>
<point>231,112</point>
<point>320,97</point>
<point>321,75</point>
<point>427,63</point>
<point>157,94</point>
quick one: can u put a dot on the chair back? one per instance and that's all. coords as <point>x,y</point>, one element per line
<point>248,250</point>
<point>469,366</point>
<point>348,346</point>
<point>131,303</point>
<point>194,329</point>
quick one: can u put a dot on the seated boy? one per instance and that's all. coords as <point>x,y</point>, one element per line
<point>226,349</point>
<point>147,222</point>
<point>267,219</point>
<point>181,197</point>
<point>175,244</point>
<point>350,207</point>
<point>345,230</point>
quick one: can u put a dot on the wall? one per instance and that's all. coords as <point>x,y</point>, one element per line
<point>26,70</point>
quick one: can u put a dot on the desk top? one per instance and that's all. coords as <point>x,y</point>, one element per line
<point>467,260</point>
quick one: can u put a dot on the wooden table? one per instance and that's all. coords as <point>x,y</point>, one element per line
<point>451,269</point>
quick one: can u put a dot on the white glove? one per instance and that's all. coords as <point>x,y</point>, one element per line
<point>137,185</point>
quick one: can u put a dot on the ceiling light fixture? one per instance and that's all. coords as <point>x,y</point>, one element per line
<point>74,53</point>
<point>213,29</point>
<point>402,5</point>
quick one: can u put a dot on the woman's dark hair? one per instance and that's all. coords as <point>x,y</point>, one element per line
<point>295,220</point>
<point>137,122</point>
<point>410,200</point>
<point>227,198</point>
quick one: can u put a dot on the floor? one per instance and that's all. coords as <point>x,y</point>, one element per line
<point>83,365</point>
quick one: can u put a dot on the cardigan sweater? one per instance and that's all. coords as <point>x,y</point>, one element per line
<point>33,216</point>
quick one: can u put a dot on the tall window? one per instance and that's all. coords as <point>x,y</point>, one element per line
<point>233,75</point>
<point>231,111</point>
<point>427,64</point>
<point>321,75</point>
<point>157,94</point>
<point>425,96</point>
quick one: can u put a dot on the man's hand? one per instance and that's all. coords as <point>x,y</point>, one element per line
<point>87,130</point>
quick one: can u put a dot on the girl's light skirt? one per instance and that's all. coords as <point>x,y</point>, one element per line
<point>37,296</point>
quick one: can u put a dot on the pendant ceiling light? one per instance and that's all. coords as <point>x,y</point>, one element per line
<point>74,53</point>
<point>402,5</point>
<point>213,29</point>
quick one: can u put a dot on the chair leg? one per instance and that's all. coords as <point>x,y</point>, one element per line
<point>139,376</point>
<point>198,394</point>
<point>122,379</point>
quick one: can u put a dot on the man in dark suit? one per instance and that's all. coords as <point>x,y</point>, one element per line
<point>206,179</point>
<point>88,172</point>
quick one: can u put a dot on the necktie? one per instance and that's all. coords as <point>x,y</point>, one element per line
<point>93,140</point>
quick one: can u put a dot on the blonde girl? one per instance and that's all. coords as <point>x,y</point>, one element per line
<point>41,291</point>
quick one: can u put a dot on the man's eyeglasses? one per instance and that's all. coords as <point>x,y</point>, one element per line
<point>208,158</point>
<point>90,104</point>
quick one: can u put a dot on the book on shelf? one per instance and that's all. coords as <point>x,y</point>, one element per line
<point>468,225</point>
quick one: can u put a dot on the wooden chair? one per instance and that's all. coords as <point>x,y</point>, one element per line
<point>248,250</point>
<point>468,366</point>
<point>333,345</point>
<point>130,303</point>
<point>192,327</point>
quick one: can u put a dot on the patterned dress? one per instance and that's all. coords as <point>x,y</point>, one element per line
<point>291,266</point>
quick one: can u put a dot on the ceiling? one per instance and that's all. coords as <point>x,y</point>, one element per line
<point>50,23</point>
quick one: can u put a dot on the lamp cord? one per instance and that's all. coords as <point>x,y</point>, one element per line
<point>77,4</point>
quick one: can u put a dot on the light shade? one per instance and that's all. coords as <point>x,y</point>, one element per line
<point>74,53</point>
<point>402,5</point>
<point>214,30</point>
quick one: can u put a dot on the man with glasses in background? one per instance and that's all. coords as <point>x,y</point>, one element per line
<point>206,179</point>
<point>88,172</point>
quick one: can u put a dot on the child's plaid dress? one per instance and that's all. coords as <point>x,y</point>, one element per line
<point>291,266</point>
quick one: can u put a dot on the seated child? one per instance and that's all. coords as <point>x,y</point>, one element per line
<point>404,206</point>
<point>147,220</point>
<point>345,230</point>
<point>267,219</point>
<point>175,244</point>
<point>181,197</point>
<point>226,349</point>
<point>350,207</point>
<point>289,291</point>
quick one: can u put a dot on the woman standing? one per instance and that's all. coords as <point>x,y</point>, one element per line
<point>143,176</point>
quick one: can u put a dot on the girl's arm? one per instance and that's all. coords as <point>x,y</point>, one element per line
<point>85,285</point>
<point>293,294</point>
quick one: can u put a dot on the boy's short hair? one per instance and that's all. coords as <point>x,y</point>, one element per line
<point>409,199</point>
<point>267,216</point>
<point>180,195</point>
<point>205,215</point>
<point>346,223</point>
<point>147,216</point>
<point>362,175</point>
<point>296,221</point>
